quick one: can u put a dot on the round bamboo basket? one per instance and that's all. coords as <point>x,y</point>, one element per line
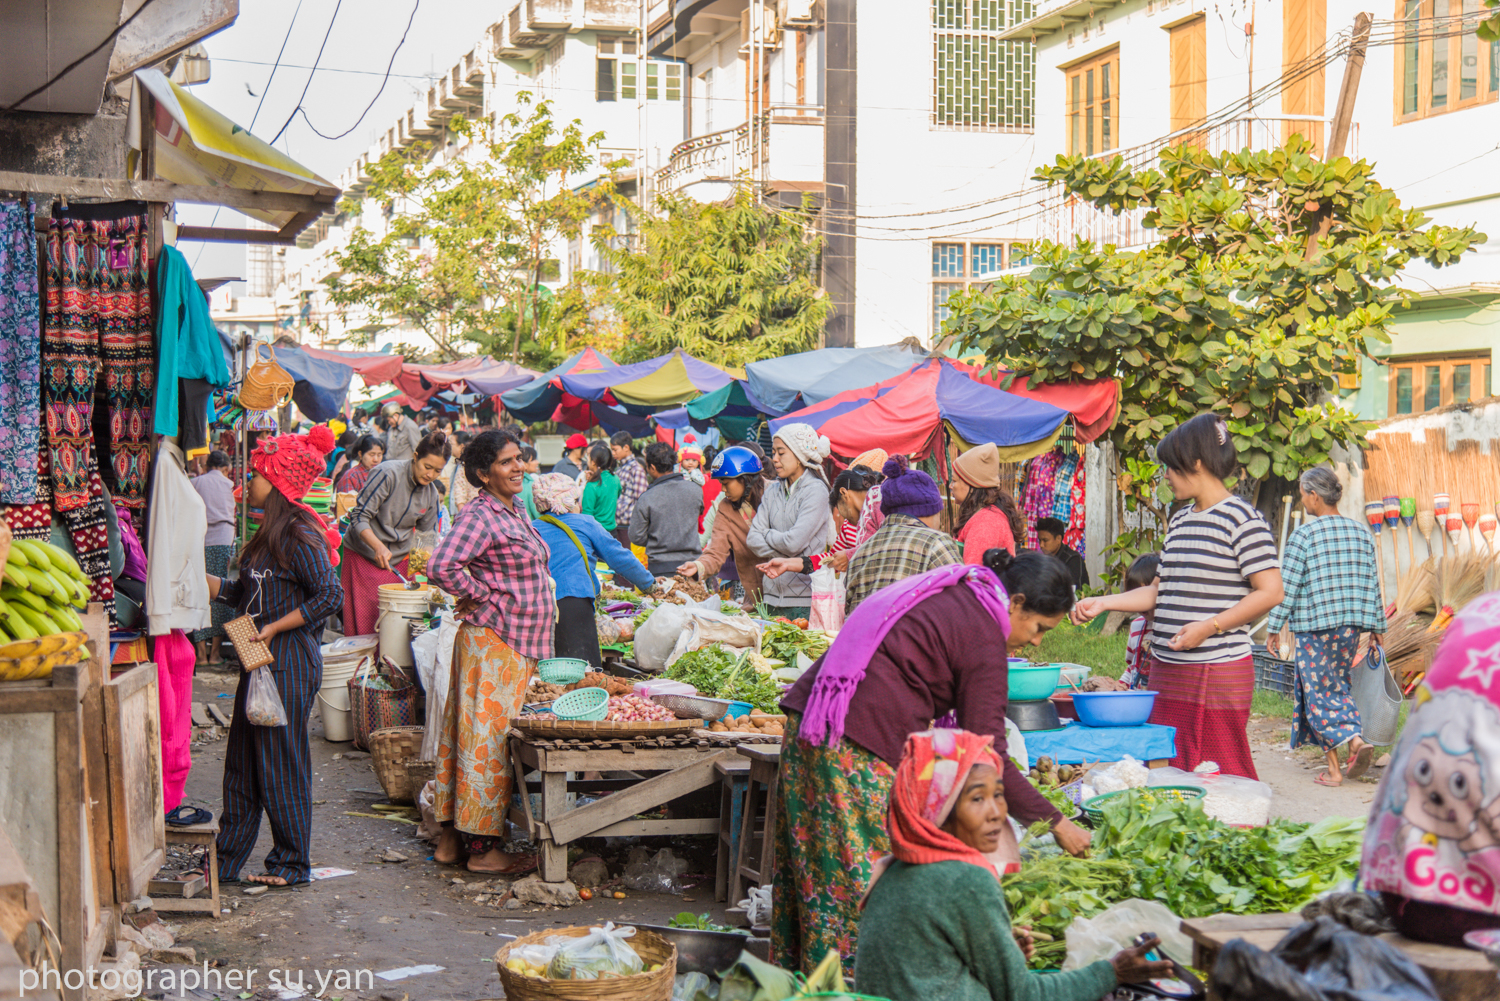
<point>389,750</point>
<point>651,947</point>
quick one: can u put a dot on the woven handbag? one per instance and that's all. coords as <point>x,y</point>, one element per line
<point>378,702</point>
<point>266,385</point>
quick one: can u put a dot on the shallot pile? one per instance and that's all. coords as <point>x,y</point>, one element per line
<point>634,709</point>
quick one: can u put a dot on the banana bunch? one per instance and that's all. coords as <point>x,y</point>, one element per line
<point>25,660</point>
<point>40,588</point>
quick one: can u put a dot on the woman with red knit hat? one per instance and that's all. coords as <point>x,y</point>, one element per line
<point>288,585</point>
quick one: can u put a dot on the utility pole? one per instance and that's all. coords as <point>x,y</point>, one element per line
<point>1343,116</point>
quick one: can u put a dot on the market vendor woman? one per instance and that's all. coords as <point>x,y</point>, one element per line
<point>929,644</point>
<point>400,499</point>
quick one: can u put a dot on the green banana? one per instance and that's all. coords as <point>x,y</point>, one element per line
<point>81,592</point>
<point>20,629</point>
<point>40,582</point>
<point>62,560</point>
<point>18,555</point>
<point>39,621</point>
<point>5,612</point>
<point>12,594</point>
<point>35,555</point>
<point>64,595</point>
<point>66,618</point>
<point>13,573</point>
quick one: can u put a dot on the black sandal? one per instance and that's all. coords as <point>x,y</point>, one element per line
<point>194,816</point>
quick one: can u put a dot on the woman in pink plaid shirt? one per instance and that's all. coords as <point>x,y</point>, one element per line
<point>495,563</point>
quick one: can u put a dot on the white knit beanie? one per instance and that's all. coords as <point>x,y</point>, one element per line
<point>806,444</point>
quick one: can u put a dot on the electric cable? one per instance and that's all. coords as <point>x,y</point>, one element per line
<point>387,79</point>
<point>83,58</point>
<point>319,58</point>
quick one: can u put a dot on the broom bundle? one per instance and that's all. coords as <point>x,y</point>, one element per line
<point>1417,590</point>
<point>1408,633</point>
<point>1460,579</point>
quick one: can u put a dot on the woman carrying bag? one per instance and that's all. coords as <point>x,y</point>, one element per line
<point>288,584</point>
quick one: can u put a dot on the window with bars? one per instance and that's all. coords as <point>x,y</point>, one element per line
<point>1441,64</point>
<point>1093,104</point>
<point>1422,384</point>
<point>979,82</point>
<point>956,266</point>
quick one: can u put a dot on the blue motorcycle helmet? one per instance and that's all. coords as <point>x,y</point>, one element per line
<point>736,460</point>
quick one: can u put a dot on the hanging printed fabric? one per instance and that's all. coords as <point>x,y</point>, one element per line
<point>34,520</point>
<point>20,354</point>
<point>1076,533</point>
<point>98,319</point>
<point>1039,496</point>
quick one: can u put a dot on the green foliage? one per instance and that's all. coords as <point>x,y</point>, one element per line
<point>468,240</point>
<point>729,283</point>
<point>1273,273</point>
<point>1489,29</point>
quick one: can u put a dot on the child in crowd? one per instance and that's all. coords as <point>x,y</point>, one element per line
<point>1142,573</point>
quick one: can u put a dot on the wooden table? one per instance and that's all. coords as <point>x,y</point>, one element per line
<point>682,766</point>
<point>1458,974</point>
<point>750,865</point>
<point>200,895</point>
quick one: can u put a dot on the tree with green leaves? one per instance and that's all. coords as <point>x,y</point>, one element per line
<point>1489,29</point>
<point>1272,274</point>
<point>729,283</point>
<point>469,237</point>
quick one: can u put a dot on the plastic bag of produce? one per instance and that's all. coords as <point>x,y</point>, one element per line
<point>1104,935</point>
<point>263,701</point>
<point>602,952</point>
<point>532,960</point>
<point>1319,961</point>
<point>608,629</point>
<point>685,986</point>
<point>1127,773</point>
<point>705,627</point>
<point>657,635</point>
<point>827,611</point>
<point>1233,799</point>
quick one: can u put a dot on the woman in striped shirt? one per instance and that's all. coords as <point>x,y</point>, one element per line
<point>1218,574</point>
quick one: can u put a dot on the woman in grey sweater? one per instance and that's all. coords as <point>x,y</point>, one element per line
<point>793,516</point>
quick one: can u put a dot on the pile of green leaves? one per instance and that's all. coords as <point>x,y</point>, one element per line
<point>1053,889</point>
<point>719,674</point>
<point>781,641</point>
<point>702,922</point>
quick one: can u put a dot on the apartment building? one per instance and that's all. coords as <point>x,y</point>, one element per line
<point>1129,77</point>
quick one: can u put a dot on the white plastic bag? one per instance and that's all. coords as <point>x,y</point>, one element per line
<point>827,600</point>
<point>1232,799</point>
<point>1104,935</point>
<point>604,950</point>
<point>1127,773</point>
<point>706,627</point>
<point>657,635</point>
<point>433,653</point>
<point>263,701</point>
<point>661,874</point>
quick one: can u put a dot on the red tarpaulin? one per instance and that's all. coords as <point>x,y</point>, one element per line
<point>373,367</point>
<point>421,382</point>
<point>1094,405</point>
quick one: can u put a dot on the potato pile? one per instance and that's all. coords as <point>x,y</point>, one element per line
<point>755,723</point>
<point>541,691</point>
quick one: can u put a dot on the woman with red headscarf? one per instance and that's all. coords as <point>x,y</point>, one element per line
<point>288,585</point>
<point>935,924</point>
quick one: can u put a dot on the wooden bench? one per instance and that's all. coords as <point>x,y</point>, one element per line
<point>753,867</point>
<point>188,895</point>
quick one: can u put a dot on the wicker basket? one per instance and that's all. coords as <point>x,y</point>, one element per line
<point>389,750</point>
<point>419,773</point>
<point>651,947</point>
<point>266,385</point>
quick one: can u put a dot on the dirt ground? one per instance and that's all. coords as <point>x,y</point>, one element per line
<point>1290,774</point>
<point>387,915</point>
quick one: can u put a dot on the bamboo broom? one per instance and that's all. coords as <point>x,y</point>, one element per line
<point>1473,472</point>
<point>1397,448</point>
<point>1415,592</point>
<point>1437,463</point>
<point>1421,488</point>
<point>1460,580</point>
<point>1377,467</point>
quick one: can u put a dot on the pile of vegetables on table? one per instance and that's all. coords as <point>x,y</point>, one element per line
<point>1152,847</point>
<point>634,709</point>
<point>720,673</point>
<point>752,724</point>
<point>541,691</point>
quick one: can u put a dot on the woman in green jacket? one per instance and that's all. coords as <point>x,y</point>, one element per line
<point>935,924</point>
<point>601,489</point>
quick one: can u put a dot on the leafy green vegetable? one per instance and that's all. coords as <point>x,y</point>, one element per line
<point>783,642</point>
<point>719,674</point>
<point>702,922</point>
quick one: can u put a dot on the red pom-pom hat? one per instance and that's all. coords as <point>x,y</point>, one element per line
<point>291,462</point>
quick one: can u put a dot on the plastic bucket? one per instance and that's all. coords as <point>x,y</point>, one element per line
<point>398,609</point>
<point>338,723</point>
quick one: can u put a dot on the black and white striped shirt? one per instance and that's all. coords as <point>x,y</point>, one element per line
<point>1205,569</point>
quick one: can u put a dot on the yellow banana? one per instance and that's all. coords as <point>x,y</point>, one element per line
<point>56,645</point>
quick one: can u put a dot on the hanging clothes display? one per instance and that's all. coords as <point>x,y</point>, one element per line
<point>190,360</point>
<point>1039,494</point>
<point>97,320</point>
<point>1054,488</point>
<point>1077,519</point>
<point>176,589</point>
<point>20,353</point>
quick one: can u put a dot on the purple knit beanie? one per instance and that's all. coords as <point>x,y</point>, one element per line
<point>908,491</point>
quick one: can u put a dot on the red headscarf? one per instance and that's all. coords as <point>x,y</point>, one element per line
<point>932,773</point>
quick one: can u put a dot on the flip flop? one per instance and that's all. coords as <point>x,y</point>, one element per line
<point>523,865</point>
<point>1360,763</point>
<point>188,816</point>
<point>1323,780</point>
<point>273,887</point>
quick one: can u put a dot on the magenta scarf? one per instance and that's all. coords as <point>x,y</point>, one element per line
<point>845,663</point>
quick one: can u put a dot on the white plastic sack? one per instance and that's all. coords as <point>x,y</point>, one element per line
<point>828,594</point>
<point>705,627</point>
<point>657,635</point>
<point>1232,799</point>
<point>429,829</point>
<point>1127,773</point>
<point>1105,935</point>
<point>433,654</point>
<point>604,950</point>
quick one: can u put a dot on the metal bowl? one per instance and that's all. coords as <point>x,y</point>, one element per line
<point>710,952</point>
<point>693,706</point>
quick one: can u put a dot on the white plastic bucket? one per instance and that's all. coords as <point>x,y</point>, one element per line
<point>398,609</point>
<point>333,696</point>
<point>338,724</point>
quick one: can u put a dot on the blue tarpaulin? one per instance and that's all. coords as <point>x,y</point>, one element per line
<point>322,385</point>
<point>794,381</point>
<point>538,399</point>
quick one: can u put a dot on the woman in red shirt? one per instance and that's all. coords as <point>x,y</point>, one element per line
<point>988,517</point>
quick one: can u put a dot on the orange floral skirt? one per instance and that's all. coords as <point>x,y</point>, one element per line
<point>488,687</point>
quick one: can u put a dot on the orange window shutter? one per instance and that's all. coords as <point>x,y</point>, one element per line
<point>1304,27</point>
<point>1189,73</point>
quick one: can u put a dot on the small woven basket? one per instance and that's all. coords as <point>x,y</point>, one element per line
<point>390,749</point>
<point>651,947</point>
<point>419,773</point>
<point>266,385</point>
<point>582,704</point>
<point>562,670</point>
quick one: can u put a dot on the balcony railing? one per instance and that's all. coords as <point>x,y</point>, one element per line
<point>787,147</point>
<point>1064,218</point>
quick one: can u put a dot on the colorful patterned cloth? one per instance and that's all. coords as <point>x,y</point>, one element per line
<point>1331,577</point>
<point>929,779</point>
<point>901,547</point>
<point>354,479</point>
<point>20,354</point>
<point>495,556</point>
<point>633,483</point>
<point>488,687</point>
<point>98,319</point>
<point>1076,534</point>
<point>830,831</point>
<point>1209,704</point>
<point>1038,496</point>
<point>1326,714</point>
<point>361,580</point>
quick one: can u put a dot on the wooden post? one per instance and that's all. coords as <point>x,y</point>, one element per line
<point>1343,116</point>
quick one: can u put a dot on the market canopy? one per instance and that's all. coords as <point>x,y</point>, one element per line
<point>374,367</point>
<point>420,382</point>
<point>540,399</point>
<point>675,377</point>
<point>732,408</point>
<point>791,381</point>
<point>1094,404</point>
<point>906,413</point>
<point>322,386</point>
<point>498,378</point>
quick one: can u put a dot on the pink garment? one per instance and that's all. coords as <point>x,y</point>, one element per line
<point>174,681</point>
<point>987,529</point>
<point>870,517</point>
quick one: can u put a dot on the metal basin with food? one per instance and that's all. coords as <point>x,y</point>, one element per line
<point>710,952</point>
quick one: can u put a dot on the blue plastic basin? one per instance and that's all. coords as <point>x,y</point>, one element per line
<point>1113,708</point>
